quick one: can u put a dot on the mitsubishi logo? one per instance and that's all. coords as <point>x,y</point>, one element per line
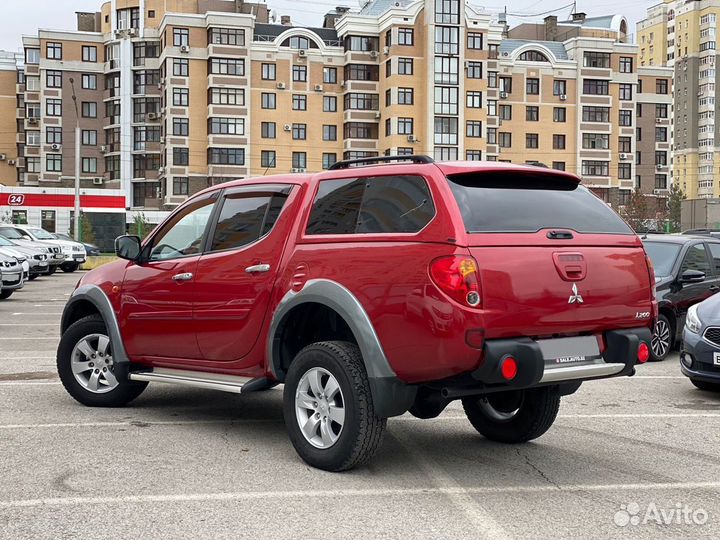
<point>575,298</point>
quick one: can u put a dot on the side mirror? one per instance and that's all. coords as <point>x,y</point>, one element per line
<point>692,276</point>
<point>127,247</point>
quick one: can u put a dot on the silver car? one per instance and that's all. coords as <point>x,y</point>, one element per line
<point>12,276</point>
<point>37,257</point>
<point>54,252</point>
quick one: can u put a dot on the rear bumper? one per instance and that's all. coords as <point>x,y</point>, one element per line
<point>618,359</point>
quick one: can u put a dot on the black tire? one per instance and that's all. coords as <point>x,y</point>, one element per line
<point>69,268</point>
<point>362,430</point>
<point>662,323</point>
<point>51,270</point>
<point>33,277</point>
<point>703,385</point>
<point>4,295</point>
<point>121,395</point>
<point>536,409</point>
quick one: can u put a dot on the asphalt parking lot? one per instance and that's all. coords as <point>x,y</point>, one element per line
<point>627,458</point>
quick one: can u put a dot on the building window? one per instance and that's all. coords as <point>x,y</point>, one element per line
<point>32,138</point>
<point>595,141</point>
<point>405,96</point>
<point>558,165</point>
<point>181,127</point>
<point>626,64</point>
<point>32,164</point>
<point>328,160</point>
<point>299,73</point>
<point>626,92</point>
<point>226,156</point>
<point>89,165</point>
<point>299,132</point>
<point>329,103</point>
<point>268,72</point>
<point>227,66</point>
<point>54,51</point>
<point>267,130</point>
<point>181,67</point>
<point>355,43</point>
<point>504,139</point>
<point>474,70</point>
<point>53,79</point>
<point>661,181</point>
<point>329,75</point>
<point>362,72</point>
<point>405,126</point>
<point>181,97</point>
<point>128,18</point>
<point>446,70</point>
<point>506,85</point>
<point>447,40</point>
<point>660,157</point>
<point>227,96</point>
<point>227,36</point>
<point>32,56</point>
<point>596,87</point>
<point>473,128</point>
<point>446,100</point>
<point>329,133</point>
<point>406,36</point>
<point>661,110</point>
<point>53,162</point>
<point>181,156</point>
<point>626,118</point>
<point>661,134</point>
<point>299,160</point>
<point>89,109</point>
<point>559,114</point>
<point>360,130</point>
<point>226,126</point>
<point>473,155</point>
<point>624,171</point>
<point>596,168</point>
<point>505,112</point>
<point>53,135</point>
<point>558,142</point>
<point>532,113</point>
<point>474,100</point>
<point>661,86</point>
<point>596,114</point>
<point>491,135</point>
<point>267,100</point>
<point>299,102</point>
<point>53,107</point>
<point>447,11</point>
<point>89,81</point>
<point>361,101</point>
<point>531,140</point>
<point>532,87</point>
<point>559,87</point>
<point>405,66</point>
<point>181,185</point>
<point>181,37</point>
<point>268,159</point>
<point>47,220</point>
<point>624,145</point>
<point>446,130</point>
<point>474,40</point>
<point>596,60</point>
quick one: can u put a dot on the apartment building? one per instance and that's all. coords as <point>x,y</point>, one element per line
<point>173,96</point>
<point>8,129</point>
<point>682,36</point>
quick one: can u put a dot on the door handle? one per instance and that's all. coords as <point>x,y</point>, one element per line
<point>258,269</point>
<point>187,276</point>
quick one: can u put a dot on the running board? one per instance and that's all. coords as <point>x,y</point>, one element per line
<point>213,381</point>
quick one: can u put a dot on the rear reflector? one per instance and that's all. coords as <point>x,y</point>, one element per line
<point>643,352</point>
<point>509,368</point>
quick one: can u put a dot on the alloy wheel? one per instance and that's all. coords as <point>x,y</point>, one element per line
<point>320,407</point>
<point>92,364</point>
<point>661,339</point>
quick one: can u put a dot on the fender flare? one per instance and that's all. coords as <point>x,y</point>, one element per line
<point>97,297</point>
<point>391,396</point>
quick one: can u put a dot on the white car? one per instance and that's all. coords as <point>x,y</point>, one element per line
<point>12,276</point>
<point>73,252</point>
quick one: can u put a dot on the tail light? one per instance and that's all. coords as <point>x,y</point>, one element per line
<point>457,276</point>
<point>651,274</point>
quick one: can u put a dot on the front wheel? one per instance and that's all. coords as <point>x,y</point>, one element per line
<point>51,270</point>
<point>703,385</point>
<point>33,277</point>
<point>86,366</point>
<point>328,407</point>
<point>515,416</point>
<point>7,293</point>
<point>70,267</point>
<point>662,339</point>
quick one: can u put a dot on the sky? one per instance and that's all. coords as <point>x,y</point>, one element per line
<point>25,16</point>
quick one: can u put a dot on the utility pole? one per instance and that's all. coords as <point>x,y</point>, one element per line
<point>76,221</point>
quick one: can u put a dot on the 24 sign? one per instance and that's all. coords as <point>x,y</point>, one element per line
<point>16,199</point>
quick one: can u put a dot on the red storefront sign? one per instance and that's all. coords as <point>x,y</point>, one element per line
<point>61,201</point>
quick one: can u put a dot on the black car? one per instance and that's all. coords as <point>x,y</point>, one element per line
<point>700,354</point>
<point>687,270</point>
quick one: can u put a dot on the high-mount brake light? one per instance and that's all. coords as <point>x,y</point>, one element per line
<point>457,276</point>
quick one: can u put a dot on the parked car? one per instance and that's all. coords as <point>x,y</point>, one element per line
<point>700,353</point>
<point>37,262</point>
<point>73,252</point>
<point>703,232</point>
<point>12,276</point>
<point>91,250</point>
<point>318,282</point>
<point>687,270</point>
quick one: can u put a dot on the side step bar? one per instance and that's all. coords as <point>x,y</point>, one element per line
<point>214,381</point>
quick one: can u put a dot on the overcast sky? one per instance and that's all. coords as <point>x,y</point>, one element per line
<point>25,16</point>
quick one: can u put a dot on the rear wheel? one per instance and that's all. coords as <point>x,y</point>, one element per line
<point>514,416</point>
<point>4,295</point>
<point>87,369</point>
<point>70,267</point>
<point>33,277</point>
<point>51,270</point>
<point>703,385</point>
<point>662,339</point>
<point>328,407</point>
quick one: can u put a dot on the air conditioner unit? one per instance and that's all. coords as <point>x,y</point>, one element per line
<point>342,84</point>
<point>563,97</point>
<point>97,181</point>
<point>32,121</point>
<point>659,191</point>
<point>119,33</point>
<point>11,162</point>
<point>298,170</point>
<point>161,170</point>
<point>373,54</point>
<point>287,127</point>
<point>55,146</point>
<point>162,80</point>
<point>185,48</point>
<point>132,32</point>
<point>503,95</point>
<point>302,52</point>
<point>152,116</point>
<point>162,140</point>
<point>386,50</point>
<point>163,110</point>
<point>623,157</point>
<point>3,157</point>
<point>281,85</point>
<point>660,167</point>
<point>411,138</point>
<point>103,149</point>
<point>318,87</point>
<point>378,114</point>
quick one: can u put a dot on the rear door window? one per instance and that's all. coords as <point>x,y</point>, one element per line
<point>715,252</point>
<point>371,205</point>
<point>696,259</point>
<point>505,202</point>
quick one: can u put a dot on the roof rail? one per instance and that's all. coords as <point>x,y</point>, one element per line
<point>346,164</point>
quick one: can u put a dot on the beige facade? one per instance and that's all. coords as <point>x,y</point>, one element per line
<point>8,124</point>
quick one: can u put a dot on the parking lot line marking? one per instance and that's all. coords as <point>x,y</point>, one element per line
<point>29,338</point>
<point>28,324</point>
<point>27,383</point>
<point>653,377</point>
<point>18,313</point>
<point>374,492</point>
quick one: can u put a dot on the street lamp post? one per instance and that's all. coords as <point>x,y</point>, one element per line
<point>76,221</point>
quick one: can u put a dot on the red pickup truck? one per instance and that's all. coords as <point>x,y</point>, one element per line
<point>369,290</point>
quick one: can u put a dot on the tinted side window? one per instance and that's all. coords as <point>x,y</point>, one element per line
<point>696,259</point>
<point>382,204</point>
<point>245,218</point>
<point>715,252</point>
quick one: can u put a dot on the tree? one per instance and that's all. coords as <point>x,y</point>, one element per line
<point>140,226</point>
<point>675,199</point>
<point>87,235</point>
<point>636,211</point>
